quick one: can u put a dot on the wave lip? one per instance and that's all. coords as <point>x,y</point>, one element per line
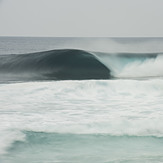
<point>64,64</point>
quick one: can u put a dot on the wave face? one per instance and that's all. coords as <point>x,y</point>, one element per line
<point>56,64</point>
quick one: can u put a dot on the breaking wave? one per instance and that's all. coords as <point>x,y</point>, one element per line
<point>72,64</point>
<point>56,64</point>
<point>134,65</point>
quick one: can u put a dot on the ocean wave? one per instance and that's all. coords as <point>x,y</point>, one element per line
<point>72,64</point>
<point>56,64</point>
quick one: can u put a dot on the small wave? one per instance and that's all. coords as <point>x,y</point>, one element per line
<point>8,138</point>
<point>45,147</point>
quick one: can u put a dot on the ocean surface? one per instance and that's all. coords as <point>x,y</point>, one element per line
<point>81,100</point>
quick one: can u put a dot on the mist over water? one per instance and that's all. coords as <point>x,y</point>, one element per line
<point>20,45</point>
<point>116,120</point>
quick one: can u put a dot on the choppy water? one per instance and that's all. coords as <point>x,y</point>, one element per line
<point>85,121</point>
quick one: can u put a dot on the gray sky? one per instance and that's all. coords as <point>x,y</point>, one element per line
<point>105,18</point>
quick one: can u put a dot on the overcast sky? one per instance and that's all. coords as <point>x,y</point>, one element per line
<point>105,18</point>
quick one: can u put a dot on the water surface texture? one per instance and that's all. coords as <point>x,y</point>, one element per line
<point>81,100</point>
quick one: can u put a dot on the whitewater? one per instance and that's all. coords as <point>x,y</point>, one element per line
<point>104,104</point>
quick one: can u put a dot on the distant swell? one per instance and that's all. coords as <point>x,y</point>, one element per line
<point>65,64</point>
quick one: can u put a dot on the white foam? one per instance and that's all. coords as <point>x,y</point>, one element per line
<point>149,68</point>
<point>134,67</point>
<point>114,107</point>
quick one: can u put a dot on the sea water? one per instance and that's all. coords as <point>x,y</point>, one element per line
<point>118,120</point>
